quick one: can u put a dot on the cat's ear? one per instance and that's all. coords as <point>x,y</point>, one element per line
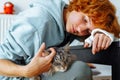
<point>67,47</point>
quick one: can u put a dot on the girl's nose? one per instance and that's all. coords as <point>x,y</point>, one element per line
<point>77,30</point>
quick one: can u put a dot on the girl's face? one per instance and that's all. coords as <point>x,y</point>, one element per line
<point>79,24</point>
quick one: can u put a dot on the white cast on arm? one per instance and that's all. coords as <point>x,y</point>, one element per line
<point>90,39</point>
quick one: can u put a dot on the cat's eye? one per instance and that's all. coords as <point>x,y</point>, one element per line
<point>56,59</point>
<point>57,64</point>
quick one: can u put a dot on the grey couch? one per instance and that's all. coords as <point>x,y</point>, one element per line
<point>111,56</point>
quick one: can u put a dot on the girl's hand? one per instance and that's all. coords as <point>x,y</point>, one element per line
<point>40,63</point>
<point>100,42</point>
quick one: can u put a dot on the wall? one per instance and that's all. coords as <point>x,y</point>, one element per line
<point>117,4</point>
<point>19,5</point>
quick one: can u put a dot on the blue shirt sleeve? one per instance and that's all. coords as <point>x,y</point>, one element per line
<point>20,42</point>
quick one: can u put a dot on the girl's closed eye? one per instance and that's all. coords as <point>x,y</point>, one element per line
<point>85,20</point>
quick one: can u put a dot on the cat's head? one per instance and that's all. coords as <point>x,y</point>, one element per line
<point>63,59</point>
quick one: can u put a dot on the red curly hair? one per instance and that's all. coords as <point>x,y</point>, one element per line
<point>101,12</point>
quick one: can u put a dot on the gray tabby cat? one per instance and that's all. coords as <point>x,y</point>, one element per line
<point>61,61</point>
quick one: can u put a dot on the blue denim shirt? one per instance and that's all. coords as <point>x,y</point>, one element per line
<point>42,22</point>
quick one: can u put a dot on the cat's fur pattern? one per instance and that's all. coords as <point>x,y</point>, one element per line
<point>61,61</point>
